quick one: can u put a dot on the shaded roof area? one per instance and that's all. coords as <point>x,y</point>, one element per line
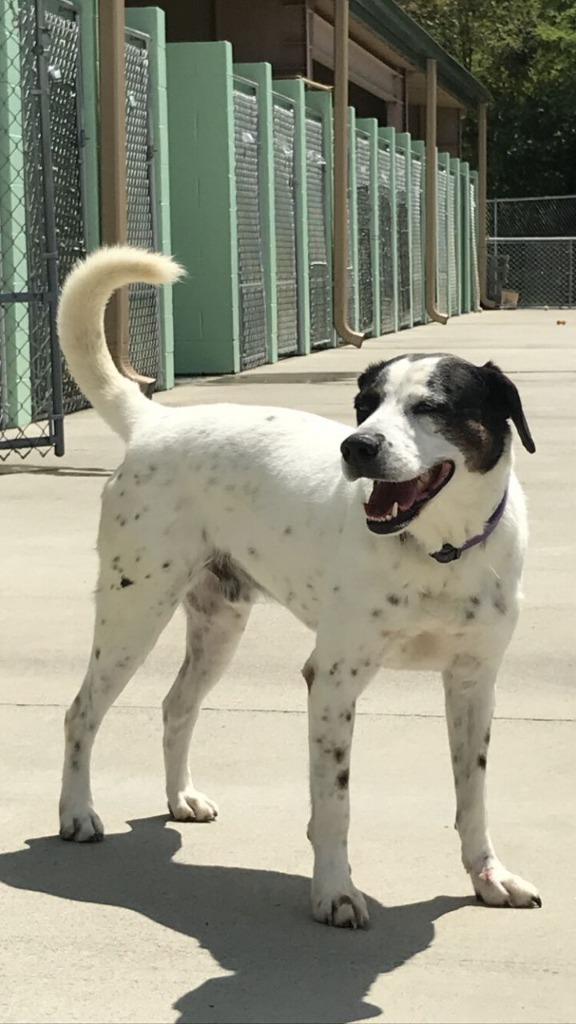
<point>398,32</point>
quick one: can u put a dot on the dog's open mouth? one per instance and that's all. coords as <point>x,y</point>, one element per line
<point>392,505</point>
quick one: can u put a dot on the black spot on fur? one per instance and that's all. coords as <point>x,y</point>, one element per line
<point>287,531</point>
<point>339,755</point>
<point>334,668</point>
<point>376,613</point>
<point>482,761</point>
<point>77,747</point>
<point>253,552</point>
<point>97,653</point>
<point>475,601</point>
<point>166,565</point>
<point>270,419</point>
<point>343,778</point>
<point>353,671</point>
<point>499,604</point>
<point>469,615</point>
<point>126,582</point>
<point>348,716</point>
<point>393,599</point>
<point>487,737</point>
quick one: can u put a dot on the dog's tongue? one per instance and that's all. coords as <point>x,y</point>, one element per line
<point>384,495</point>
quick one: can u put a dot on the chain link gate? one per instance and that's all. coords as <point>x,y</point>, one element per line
<point>318,269</point>
<point>144,319</point>
<point>403,234</point>
<point>252,297</point>
<point>31,413</point>
<point>386,260</point>
<point>67,138</point>
<point>417,224</point>
<point>364,219</point>
<point>284,128</point>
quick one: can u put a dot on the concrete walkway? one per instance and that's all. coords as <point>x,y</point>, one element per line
<point>166,923</point>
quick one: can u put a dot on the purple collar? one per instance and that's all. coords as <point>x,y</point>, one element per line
<point>448,553</point>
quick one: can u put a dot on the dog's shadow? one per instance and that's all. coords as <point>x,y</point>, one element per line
<point>256,924</point>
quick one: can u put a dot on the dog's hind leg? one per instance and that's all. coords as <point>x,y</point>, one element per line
<point>131,612</point>
<point>215,626</point>
<point>469,691</point>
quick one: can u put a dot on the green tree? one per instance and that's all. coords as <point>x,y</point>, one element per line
<point>524,51</point>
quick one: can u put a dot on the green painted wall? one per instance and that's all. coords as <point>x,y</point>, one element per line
<point>203,206</point>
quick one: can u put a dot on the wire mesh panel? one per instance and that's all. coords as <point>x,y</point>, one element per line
<point>541,270</point>
<point>531,249</point>
<point>452,260</point>
<point>30,366</point>
<point>417,222</point>
<point>474,247</point>
<point>319,272</point>
<point>65,131</point>
<point>403,242</point>
<point>284,128</point>
<point>144,346</point>
<point>535,216</point>
<point>364,219</point>
<point>442,238</point>
<point>386,245</point>
<point>253,350</point>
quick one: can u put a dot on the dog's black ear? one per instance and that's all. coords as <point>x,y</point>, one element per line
<point>370,374</point>
<point>505,398</point>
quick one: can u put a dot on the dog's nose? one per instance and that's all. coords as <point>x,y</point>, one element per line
<point>359,449</point>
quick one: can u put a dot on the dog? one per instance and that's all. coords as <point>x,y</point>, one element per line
<point>400,544</point>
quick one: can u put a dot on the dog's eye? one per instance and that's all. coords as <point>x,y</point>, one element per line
<point>426,407</point>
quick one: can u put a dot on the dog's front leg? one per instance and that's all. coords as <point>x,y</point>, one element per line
<point>333,688</point>
<point>469,691</point>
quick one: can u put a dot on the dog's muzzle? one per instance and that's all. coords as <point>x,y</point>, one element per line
<point>360,453</point>
<point>393,503</point>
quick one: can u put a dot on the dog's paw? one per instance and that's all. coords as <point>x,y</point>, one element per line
<point>82,827</point>
<point>496,887</point>
<point>346,909</point>
<point>190,805</point>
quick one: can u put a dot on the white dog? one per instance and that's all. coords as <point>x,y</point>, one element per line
<point>399,545</point>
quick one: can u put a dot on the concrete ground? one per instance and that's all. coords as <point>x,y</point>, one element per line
<point>164,922</point>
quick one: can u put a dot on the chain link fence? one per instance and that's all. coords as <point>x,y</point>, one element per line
<point>284,132</point>
<point>318,237</point>
<point>532,251</point>
<point>30,367</point>
<point>143,309</point>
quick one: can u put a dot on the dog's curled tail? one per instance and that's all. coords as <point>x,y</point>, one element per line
<point>84,297</point>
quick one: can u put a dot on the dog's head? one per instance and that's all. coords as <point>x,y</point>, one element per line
<point>421,420</point>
